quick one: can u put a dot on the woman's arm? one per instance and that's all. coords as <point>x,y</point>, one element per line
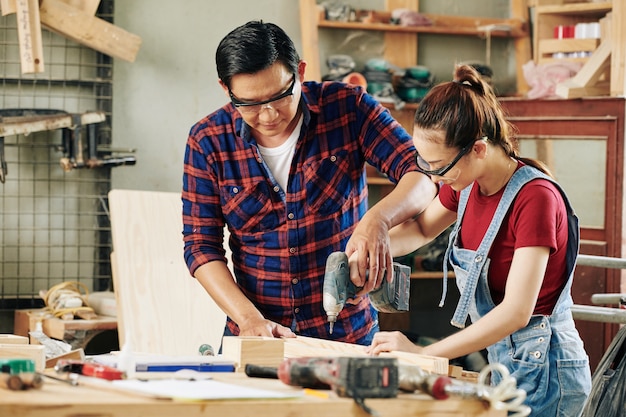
<point>522,289</point>
<point>418,231</point>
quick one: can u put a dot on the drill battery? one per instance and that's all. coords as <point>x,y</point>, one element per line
<point>393,297</point>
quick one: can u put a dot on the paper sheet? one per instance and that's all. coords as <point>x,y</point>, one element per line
<point>198,390</point>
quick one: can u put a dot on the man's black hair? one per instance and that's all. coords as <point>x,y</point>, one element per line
<point>253,47</point>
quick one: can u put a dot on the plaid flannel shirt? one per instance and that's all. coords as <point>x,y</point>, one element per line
<point>280,239</point>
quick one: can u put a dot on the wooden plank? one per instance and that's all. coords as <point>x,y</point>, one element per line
<point>13,339</point>
<point>263,351</point>
<point>618,52</point>
<point>309,18</point>
<point>87,6</point>
<point>550,46</point>
<point>401,48</point>
<point>29,36</point>
<point>160,306</point>
<point>307,346</point>
<point>57,328</point>
<point>523,50</point>
<point>77,354</point>
<point>88,30</point>
<point>8,7</point>
<point>29,124</point>
<point>18,351</point>
<point>585,82</point>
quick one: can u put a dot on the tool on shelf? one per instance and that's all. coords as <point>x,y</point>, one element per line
<point>390,297</point>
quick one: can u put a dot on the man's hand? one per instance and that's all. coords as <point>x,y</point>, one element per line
<point>265,328</point>
<point>371,246</point>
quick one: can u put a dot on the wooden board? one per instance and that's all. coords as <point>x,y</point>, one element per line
<point>13,339</point>
<point>89,30</point>
<point>160,306</point>
<point>19,351</point>
<point>87,6</point>
<point>307,346</point>
<point>586,81</point>
<point>29,35</point>
<point>23,125</point>
<point>618,53</point>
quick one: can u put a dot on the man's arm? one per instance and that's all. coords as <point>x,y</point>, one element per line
<point>370,239</point>
<point>218,281</point>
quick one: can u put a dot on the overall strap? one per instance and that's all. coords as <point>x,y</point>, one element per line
<point>521,177</point>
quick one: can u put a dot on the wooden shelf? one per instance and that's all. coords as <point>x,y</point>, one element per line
<point>549,16</point>
<point>443,25</point>
<point>586,9</point>
<point>405,38</point>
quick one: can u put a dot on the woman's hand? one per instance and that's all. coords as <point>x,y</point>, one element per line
<point>388,341</point>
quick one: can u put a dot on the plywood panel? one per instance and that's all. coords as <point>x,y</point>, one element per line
<point>161,308</point>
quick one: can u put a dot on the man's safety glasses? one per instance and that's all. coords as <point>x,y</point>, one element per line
<point>280,101</point>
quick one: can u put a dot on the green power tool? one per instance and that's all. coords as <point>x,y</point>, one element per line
<point>19,374</point>
<point>338,288</point>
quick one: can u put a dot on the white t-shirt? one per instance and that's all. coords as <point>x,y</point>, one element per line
<point>279,159</point>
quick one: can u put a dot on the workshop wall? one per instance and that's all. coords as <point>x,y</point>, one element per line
<point>173,82</point>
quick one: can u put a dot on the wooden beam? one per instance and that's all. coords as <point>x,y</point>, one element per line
<point>25,125</point>
<point>618,52</point>
<point>586,81</point>
<point>401,48</point>
<point>29,36</point>
<point>88,30</point>
<point>308,346</point>
<point>87,6</point>
<point>310,14</point>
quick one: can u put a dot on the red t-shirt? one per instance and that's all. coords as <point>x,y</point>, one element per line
<point>538,217</point>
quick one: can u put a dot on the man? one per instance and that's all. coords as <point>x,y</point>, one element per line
<point>282,166</point>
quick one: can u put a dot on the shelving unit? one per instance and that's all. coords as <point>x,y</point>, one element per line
<point>549,16</point>
<point>405,38</point>
<point>603,71</point>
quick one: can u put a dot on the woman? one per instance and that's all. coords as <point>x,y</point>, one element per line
<point>513,247</point>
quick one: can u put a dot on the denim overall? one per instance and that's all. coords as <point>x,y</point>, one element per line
<point>546,357</point>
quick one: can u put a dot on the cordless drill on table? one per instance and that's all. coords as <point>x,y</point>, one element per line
<point>389,297</point>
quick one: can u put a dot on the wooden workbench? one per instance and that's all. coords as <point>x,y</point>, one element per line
<point>56,399</point>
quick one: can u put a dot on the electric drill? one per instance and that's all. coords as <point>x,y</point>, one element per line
<point>355,377</point>
<point>368,377</point>
<point>388,297</point>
